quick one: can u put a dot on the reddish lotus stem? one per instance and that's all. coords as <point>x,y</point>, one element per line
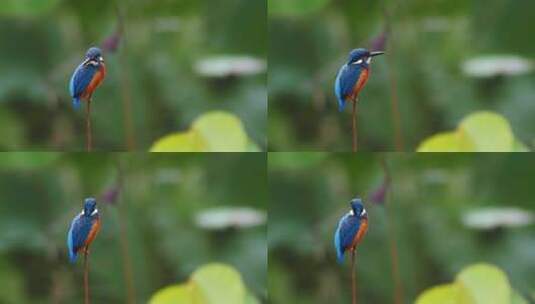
<point>354,125</point>
<point>353,279</point>
<point>398,296</point>
<point>86,278</point>
<point>88,126</point>
<point>394,100</point>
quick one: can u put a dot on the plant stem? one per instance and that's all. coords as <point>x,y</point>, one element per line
<point>353,279</point>
<point>88,126</point>
<point>394,100</point>
<point>86,278</point>
<point>354,125</point>
<point>398,296</point>
<point>124,79</point>
<point>123,237</point>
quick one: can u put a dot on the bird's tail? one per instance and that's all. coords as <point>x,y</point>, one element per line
<point>72,256</point>
<point>338,246</point>
<point>341,104</point>
<point>76,103</point>
<point>340,256</point>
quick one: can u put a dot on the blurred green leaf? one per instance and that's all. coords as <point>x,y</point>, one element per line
<point>488,131</point>
<point>215,131</point>
<point>486,284</point>
<point>221,131</point>
<point>446,142</point>
<point>26,7</point>
<point>478,132</point>
<point>295,7</point>
<point>516,298</point>
<point>295,160</point>
<point>445,294</point>
<point>219,284</point>
<point>173,294</point>
<point>27,160</point>
<point>475,284</point>
<point>251,299</point>
<point>189,141</point>
<point>519,146</point>
<point>211,284</point>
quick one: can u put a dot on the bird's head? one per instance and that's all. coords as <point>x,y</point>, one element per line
<point>94,56</point>
<point>362,56</point>
<point>357,208</point>
<point>90,207</point>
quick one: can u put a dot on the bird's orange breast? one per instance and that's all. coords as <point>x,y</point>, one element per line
<point>360,83</point>
<point>95,82</point>
<point>360,234</point>
<point>92,233</point>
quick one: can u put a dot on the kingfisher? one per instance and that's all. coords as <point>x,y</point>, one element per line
<point>353,76</point>
<point>84,229</point>
<point>351,229</point>
<point>87,77</point>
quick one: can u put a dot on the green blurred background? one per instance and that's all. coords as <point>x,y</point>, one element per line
<point>430,196</point>
<point>153,86</point>
<point>427,47</point>
<point>154,217</point>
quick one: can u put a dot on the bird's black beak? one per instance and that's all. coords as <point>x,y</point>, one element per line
<point>372,54</point>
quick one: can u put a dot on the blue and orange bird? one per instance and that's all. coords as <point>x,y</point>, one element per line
<point>353,76</point>
<point>84,229</point>
<point>351,229</point>
<point>87,77</point>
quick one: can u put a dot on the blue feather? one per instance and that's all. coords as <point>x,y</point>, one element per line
<point>70,245</point>
<point>338,91</point>
<point>348,227</point>
<point>79,231</point>
<point>80,79</point>
<point>337,246</point>
<point>345,82</point>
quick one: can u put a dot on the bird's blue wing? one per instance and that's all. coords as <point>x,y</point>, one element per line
<point>345,233</point>
<point>80,228</point>
<point>80,79</point>
<point>345,82</point>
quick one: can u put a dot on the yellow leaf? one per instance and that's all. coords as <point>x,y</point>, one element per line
<point>222,132</point>
<point>180,142</point>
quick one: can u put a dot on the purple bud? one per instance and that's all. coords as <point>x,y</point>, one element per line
<point>378,43</point>
<point>111,43</point>
<point>379,195</point>
<point>111,195</point>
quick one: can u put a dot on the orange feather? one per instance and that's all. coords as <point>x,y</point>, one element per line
<point>360,234</point>
<point>359,84</point>
<point>95,82</point>
<point>92,234</point>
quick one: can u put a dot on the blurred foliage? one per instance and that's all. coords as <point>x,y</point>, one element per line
<point>476,284</point>
<point>153,222</point>
<point>478,132</point>
<point>428,198</point>
<point>210,284</point>
<point>152,87</point>
<point>212,132</point>
<point>427,47</point>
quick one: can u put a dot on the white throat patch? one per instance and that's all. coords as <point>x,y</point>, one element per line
<point>94,212</point>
